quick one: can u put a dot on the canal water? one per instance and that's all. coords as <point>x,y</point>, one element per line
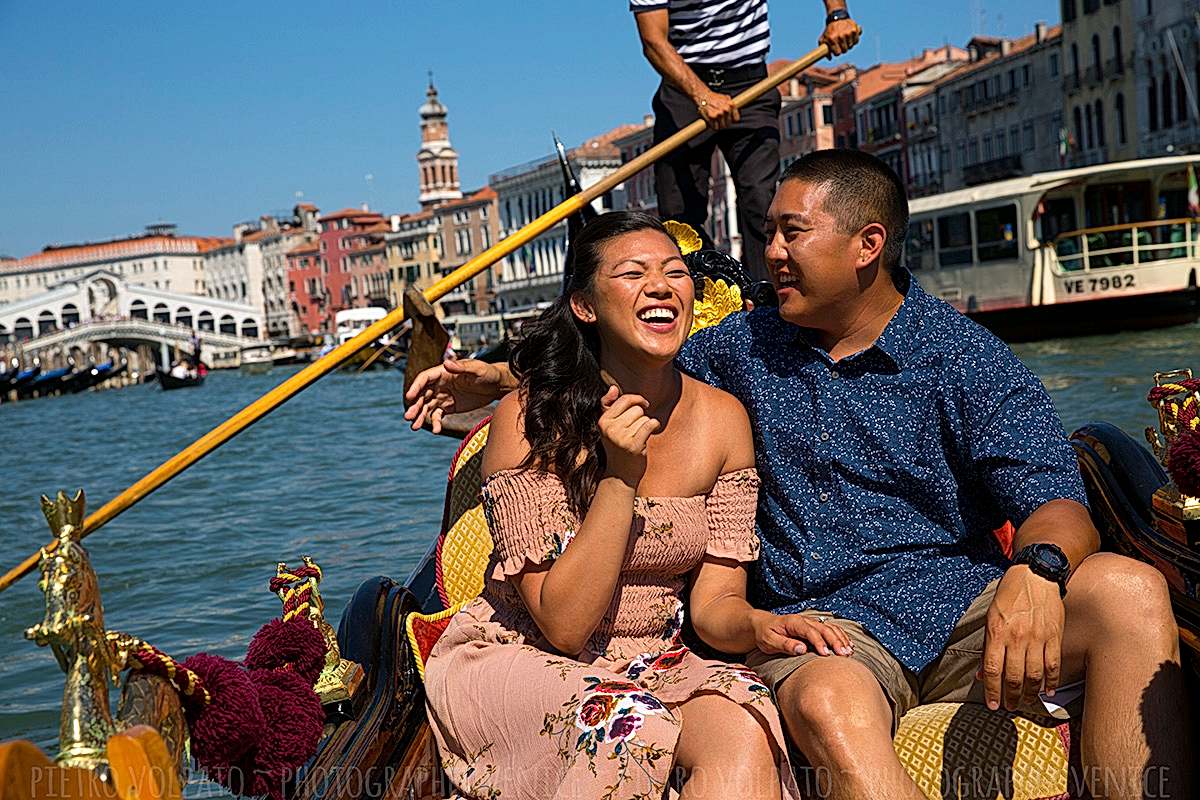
<point>336,474</point>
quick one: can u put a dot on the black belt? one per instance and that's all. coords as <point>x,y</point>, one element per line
<point>717,76</point>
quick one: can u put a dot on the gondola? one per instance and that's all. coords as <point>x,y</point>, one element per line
<point>9,376</point>
<point>46,383</point>
<point>86,379</point>
<point>169,382</point>
<point>25,376</point>
<point>376,741</point>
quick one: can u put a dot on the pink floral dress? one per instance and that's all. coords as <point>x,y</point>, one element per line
<point>515,719</point>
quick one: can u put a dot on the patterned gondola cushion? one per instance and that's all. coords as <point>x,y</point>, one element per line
<point>463,547</point>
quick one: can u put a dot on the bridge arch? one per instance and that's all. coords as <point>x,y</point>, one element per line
<point>70,315</point>
<point>183,316</point>
<point>22,329</point>
<point>228,324</point>
<point>137,309</point>
<point>249,328</point>
<point>47,322</point>
<point>161,313</point>
<point>205,321</point>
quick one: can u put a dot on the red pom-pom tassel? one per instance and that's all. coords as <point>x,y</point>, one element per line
<point>226,730</point>
<point>1183,462</point>
<point>293,644</point>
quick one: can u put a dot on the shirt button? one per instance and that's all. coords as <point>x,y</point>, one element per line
<point>823,496</point>
<point>824,436</point>
<point>833,373</point>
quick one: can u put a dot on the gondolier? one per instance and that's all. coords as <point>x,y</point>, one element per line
<point>707,52</point>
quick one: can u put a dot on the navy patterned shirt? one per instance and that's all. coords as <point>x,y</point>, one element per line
<point>885,474</point>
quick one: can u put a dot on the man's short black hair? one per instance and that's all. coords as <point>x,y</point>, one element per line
<point>861,189</point>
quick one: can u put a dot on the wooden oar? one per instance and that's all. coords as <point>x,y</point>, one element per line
<point>335,358</point>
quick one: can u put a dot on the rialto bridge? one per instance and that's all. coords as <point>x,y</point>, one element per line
<point>102,307</point>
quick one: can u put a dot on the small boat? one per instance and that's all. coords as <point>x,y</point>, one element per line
<point>46,383</point>
<point>350,322</point>
<point>98,374</point>
<point>259,358</point>
<point>26,376</point>
<point>168,381</point>
<point>9,375</point>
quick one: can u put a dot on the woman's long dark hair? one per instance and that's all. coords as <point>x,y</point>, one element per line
<point>557,365</point>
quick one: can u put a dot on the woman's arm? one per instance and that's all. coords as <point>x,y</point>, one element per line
<point>568,598</point>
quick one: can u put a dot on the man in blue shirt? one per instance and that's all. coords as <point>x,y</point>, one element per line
<point>893,435</point>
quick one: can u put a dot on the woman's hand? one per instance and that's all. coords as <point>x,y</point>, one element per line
<point>452,387</point>
<point>625,432</point>
<point>796,634</point>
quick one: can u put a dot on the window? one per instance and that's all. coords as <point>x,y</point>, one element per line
<point>1014,140</point>
<point>1100,123</point>
<point>918,248</point>
<point>1068,10</point>
<point>954,239</point>
<point>987,147</point>
<point>1168,113</point>
<point>973,151</point>
<point>1075,63</point>
<point>1089,141</point>
<point>1181,113</point>
<point>827,114</point>
<point>1027,75</point>
<point>1096,65</point>
<point>1027,130</point>
<point>1152,97</point>
<point>996,229</point>
<point>1012,80</point>
<point>1118,55</point>
<point>1054,65</point>
<point>1120,108</point>
<point>1000,149</point>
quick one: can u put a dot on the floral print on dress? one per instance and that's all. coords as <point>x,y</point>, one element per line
<point>610,714</point>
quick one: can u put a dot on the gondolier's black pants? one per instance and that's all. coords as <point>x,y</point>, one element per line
<point>750,147</point>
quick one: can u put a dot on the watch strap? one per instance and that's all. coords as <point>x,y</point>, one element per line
<point>836,14</point>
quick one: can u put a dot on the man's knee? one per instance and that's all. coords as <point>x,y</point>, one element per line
<point>833,696</point>
<point>1119,594</point>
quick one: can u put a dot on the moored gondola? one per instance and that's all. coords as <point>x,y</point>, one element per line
<point>46,383</point>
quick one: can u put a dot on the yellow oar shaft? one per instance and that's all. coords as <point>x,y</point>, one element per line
<point>302,379</point>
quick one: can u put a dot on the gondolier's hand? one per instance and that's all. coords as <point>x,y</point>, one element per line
<point>625,432</point>
<point>1023,644</point>
<point>452,387</point>
<point>840,35</point>
<point>797,634</point>
<point>716,109</point>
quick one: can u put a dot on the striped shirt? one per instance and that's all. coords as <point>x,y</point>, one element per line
<point>728,33</point>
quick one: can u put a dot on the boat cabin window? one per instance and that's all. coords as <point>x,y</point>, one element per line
<point>918,247</point>
<point>997,232</point>
<point>955,243</point>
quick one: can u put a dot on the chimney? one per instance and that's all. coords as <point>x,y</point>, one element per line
<point>647,120</point>
<point>1005,46</point>
<point>1039,31</point>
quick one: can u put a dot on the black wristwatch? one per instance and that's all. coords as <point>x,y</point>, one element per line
<point>1046,561</point>
<point>836,14</point>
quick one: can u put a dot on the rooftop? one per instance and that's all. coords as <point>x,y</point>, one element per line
<point>114,249</point>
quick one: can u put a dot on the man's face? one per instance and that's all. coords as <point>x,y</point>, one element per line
<point>813,264</point>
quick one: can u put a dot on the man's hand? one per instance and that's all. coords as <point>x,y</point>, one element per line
<point>452,387</point>
<point>840,35</point>
<point>716,109</point>
<point>1023,645</point>
<point>796,634</point>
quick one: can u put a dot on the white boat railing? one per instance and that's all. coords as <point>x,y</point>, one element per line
<point>1127,245</point>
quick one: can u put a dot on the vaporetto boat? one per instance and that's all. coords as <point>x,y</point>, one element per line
<point>1095,249</point>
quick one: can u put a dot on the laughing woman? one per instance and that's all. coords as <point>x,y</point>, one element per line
<point>609,500</point>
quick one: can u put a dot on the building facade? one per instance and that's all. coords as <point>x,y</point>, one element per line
<point>1166,63</point>
<point>999,116</point>
<point>468,227</point>
<point>806,119</point>
<point>1098,80</point>
<point>158,259</point>
<point>532,275</point>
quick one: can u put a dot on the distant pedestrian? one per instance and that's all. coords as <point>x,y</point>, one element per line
<point>707,51</point>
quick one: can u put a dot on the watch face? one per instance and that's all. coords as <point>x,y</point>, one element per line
<point>1051,559</point>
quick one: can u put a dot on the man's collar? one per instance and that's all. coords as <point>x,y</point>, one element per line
<point>899,336</point>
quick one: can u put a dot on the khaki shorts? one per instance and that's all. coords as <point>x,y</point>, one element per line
<point>949,679</point>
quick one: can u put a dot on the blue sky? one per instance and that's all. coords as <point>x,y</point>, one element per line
<point>115,115</point>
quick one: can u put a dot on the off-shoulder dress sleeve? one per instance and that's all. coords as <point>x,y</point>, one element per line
<point>730,509</point>
<point>528,517</point>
